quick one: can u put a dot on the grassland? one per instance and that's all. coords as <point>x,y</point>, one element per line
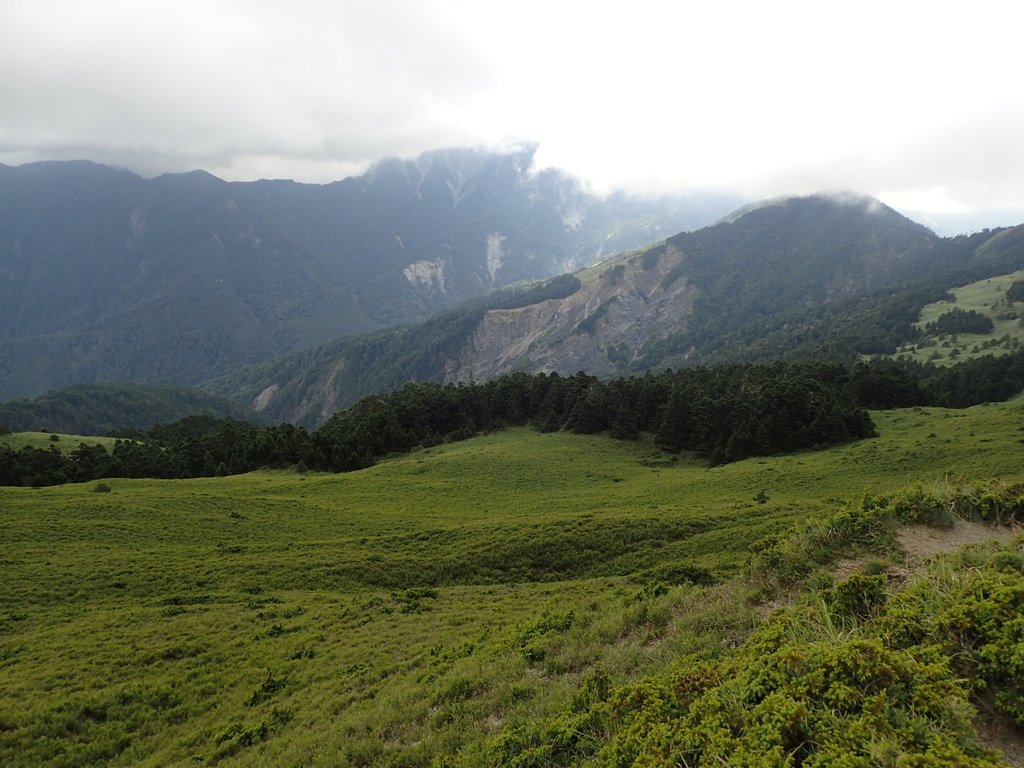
<point>410,610</point>
<point>66,443</point>
<point>987,297</point>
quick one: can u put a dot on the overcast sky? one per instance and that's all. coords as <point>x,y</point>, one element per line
<point>918,103</point>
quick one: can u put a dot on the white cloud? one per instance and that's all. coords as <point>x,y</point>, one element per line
<point>915,100</point>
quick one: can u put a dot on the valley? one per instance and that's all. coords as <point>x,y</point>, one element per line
<point>819,277</point>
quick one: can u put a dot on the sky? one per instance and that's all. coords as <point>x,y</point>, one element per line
<point>920,104</point>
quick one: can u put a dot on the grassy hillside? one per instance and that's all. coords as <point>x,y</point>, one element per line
<point>66,443</point>
<point>427,606</point>
<point>986,297</point>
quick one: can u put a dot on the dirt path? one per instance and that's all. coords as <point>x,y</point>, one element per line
<point>920,543</point>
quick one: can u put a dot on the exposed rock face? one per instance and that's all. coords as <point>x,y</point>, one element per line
<point>106,276</point>
<point>598,329</point>
<point>755,286</point>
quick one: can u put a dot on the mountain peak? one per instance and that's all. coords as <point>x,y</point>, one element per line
<point>853,201</point>
<point>196,176</point>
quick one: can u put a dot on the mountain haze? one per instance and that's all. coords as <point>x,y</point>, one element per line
<point>837,275</point>
<point>106,276</point>
<point>97,409</point>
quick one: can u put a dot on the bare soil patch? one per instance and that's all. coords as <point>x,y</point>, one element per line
<point>920,542</point>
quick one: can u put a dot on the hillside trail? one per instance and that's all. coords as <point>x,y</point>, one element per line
<point>919,544</point>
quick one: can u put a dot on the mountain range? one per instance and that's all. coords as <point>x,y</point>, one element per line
<point>106,276</point>
<point>820,276</point>
<point>460,266</point>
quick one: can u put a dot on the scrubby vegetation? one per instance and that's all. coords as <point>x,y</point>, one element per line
<point>867,672</point>
<point>524,296</point>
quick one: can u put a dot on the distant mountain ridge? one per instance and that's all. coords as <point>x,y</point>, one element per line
<point>106,276</point>
<point>839,275</point>
<point>97,409</point>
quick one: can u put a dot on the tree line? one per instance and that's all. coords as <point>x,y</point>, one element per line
<point>881,384</point>
<point>723,414</point>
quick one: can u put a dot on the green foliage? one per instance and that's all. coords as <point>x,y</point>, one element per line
<point>986,297</point>
<point>678,573</point>
<point>267,690</point>
<point>873,675</point>
<point>238,736</point>
<point>751,308</point>
<point>902,383</point>
<point>726,414</point>
<point>816,704</point>
<point>588,325</point>
<point>859,597</point>
<point>532,640</point>
<point>559,287</point>
<point>783,560</point>
<point>651,256</point>
<point>960,321</point>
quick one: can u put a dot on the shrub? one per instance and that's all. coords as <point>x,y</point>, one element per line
<point>892,687</point>
<point>859,597</point>
<point>267,690</point>
<point>960,321</point>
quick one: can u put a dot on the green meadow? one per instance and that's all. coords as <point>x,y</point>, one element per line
<point>66,443</point>
<point>410,611</point>
<point>987,297</point>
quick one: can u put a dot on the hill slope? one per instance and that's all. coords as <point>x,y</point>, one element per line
<point>105,276</point>
<point>846,273</point>
<point>410,613</point>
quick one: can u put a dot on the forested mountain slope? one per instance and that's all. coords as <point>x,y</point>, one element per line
<point>106,276</point>
<point>839,276</point>
<point>96,409</point>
